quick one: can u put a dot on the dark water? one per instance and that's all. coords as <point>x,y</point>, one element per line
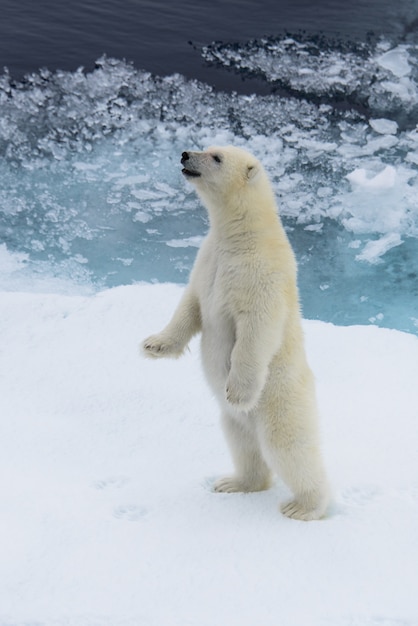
<point>155,35</point>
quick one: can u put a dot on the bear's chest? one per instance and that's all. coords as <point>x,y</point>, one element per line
<point>218,285</point>
<point>222,281</point>
<point>214,295</point>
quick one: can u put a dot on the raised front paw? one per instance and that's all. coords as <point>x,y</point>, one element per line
<point>160,346</point>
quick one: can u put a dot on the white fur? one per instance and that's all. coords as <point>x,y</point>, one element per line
<point>242,296</point>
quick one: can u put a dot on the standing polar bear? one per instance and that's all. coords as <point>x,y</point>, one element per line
<point>242,296</point>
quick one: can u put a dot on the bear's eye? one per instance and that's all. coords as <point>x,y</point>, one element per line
<point>216,158</point>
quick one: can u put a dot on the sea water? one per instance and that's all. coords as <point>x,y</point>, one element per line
<point>92,194</point>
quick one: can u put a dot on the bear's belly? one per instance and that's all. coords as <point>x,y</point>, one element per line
<point>217,341</point>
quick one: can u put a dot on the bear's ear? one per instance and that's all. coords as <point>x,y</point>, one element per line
<point>252,171</point>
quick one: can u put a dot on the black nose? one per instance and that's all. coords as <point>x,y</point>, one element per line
<point>184,157</point>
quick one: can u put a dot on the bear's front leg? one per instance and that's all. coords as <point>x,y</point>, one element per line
<point>172,341</point>
<point>257,339</point>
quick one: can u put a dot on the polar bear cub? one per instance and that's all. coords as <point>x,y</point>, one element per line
<point>242,297</point>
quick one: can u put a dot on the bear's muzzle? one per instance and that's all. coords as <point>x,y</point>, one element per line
<point>187,171</point>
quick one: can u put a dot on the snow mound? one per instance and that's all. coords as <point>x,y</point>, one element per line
<point>107,514</point>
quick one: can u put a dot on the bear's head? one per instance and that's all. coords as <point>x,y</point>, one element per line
<point>221,172</point>
<point>232,184</point>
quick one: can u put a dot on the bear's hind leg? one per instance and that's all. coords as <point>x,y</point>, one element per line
<point>302,470</point>
<point>297,459</point>
<point>252,472</point>
<point>300,466</point>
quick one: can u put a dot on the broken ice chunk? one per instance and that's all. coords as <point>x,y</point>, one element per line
<point>396,61</point>
<point>373,250</point>
<point>383,180</point>
<point>384,127</point>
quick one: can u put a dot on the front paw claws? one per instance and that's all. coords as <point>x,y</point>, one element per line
<point>156,347</point>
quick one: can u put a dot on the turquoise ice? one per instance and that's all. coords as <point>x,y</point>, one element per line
<point>91,193</point>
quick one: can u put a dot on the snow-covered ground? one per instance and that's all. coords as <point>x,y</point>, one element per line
<point>107,517</point>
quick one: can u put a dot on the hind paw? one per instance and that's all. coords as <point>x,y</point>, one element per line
<point>232,484</point>
<point>295,509</point>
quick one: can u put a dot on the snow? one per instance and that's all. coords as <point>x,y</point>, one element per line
<point>10,263</point>
<point>106,509</point>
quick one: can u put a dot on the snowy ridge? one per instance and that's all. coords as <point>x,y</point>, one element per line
<point>107,463</point>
